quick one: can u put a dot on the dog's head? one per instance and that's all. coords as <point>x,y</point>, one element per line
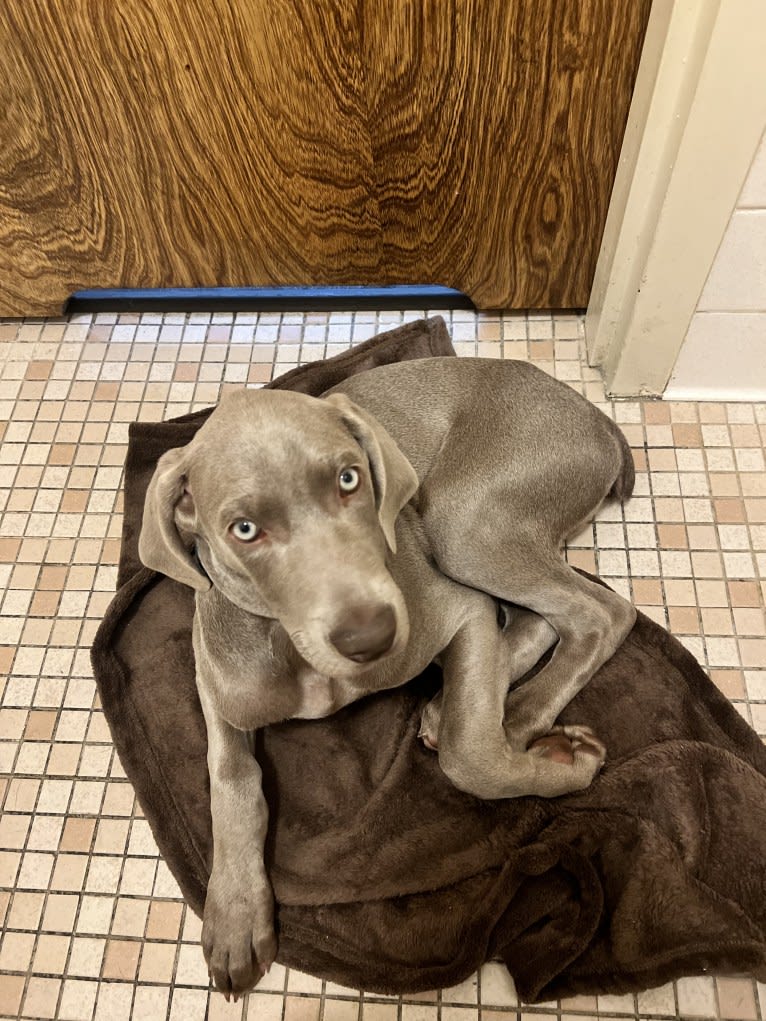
<point>286,504</point>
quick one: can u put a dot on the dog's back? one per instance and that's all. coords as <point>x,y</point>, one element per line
<point>505,427</point>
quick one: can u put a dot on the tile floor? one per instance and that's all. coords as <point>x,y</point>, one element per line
<point>93,924</point>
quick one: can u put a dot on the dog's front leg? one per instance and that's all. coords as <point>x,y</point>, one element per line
<point>238,937</point>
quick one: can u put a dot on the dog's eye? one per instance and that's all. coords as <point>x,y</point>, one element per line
<point>503,616</point>
<point>348,480</point>
<point>245,531</point>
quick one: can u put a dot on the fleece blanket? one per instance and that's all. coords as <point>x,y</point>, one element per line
<point>389,879</point>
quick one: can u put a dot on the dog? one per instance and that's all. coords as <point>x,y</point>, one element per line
<point>338,545</point>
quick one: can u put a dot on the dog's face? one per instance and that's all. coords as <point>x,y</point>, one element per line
<point>290,502</point>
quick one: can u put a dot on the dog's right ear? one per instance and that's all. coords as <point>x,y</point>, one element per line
<point>167,500</point>
<point>394,479</point>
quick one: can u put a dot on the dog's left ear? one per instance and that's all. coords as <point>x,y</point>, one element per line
<point>393,477</point>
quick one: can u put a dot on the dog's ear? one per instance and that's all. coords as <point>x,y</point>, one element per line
<point>393,477</point>
<point>169,507</point>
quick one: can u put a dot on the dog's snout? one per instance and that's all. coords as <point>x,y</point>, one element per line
<point>367,633</point>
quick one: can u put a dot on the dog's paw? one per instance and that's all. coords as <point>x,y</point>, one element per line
<point>238,937</point>
<point>429,723</point>
<point>571,759</point>
<point>573,745</point>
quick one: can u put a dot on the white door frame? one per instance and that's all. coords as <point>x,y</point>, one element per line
<point>696,118</point>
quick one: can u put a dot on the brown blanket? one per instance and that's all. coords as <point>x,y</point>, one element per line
<point>389,879</point>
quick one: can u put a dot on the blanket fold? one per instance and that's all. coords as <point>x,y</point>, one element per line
<point>387,878</point>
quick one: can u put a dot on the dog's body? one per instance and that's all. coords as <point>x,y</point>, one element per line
<point>472,473</point>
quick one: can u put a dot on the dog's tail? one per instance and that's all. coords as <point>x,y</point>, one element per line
<point>622,487</point>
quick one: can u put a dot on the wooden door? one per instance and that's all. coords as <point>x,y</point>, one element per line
<point>191,143</point>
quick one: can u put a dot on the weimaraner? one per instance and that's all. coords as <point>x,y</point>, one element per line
<point>338,545</point>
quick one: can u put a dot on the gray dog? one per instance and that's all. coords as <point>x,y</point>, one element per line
<point>338,545</point>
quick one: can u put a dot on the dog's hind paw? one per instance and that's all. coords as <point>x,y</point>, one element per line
<point>428,732</point>
<point>568,745</point>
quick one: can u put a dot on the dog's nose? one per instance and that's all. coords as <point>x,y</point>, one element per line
<point>365,634</point>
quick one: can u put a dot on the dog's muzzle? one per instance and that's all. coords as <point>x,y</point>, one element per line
<point>365,634</point>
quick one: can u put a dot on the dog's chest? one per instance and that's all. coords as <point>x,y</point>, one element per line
<point>317,696</point>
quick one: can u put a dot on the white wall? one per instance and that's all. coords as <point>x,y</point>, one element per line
<point>723,356</point>
<point>697,117</point>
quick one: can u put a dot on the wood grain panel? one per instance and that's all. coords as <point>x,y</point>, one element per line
<point>497,141</point>
<point>186,143</point>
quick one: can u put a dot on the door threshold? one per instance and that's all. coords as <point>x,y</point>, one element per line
<point>267,299</point>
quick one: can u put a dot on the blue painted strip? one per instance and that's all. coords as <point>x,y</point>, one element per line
<point>273,293</point>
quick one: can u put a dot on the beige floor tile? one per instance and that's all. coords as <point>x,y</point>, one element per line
<point>164,921</point>
<point>114,1002</point>
<point>121,959</point>
<point>264,1007</point>
<point>151,1003</point>
<point>305,1008</point>
<point>16,951</point>
<point>736,998</point>
<point>459,1014</point>
<point>77,1000</point>
<point>51,954</point>
<point>696,996</point>
<point>157,962</point>
<point>340,1010</point>
<point>86,956</point>
<point>41,997</point>
<point>418,1012</point>
<point>299,982</point>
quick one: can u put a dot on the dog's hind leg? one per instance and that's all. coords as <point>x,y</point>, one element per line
<point>474,751</point>
<point>528,637</point>
<point>591,622</point>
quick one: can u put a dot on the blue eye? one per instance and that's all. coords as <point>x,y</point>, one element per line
<point>348,480</point>
<point>245,531</point>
